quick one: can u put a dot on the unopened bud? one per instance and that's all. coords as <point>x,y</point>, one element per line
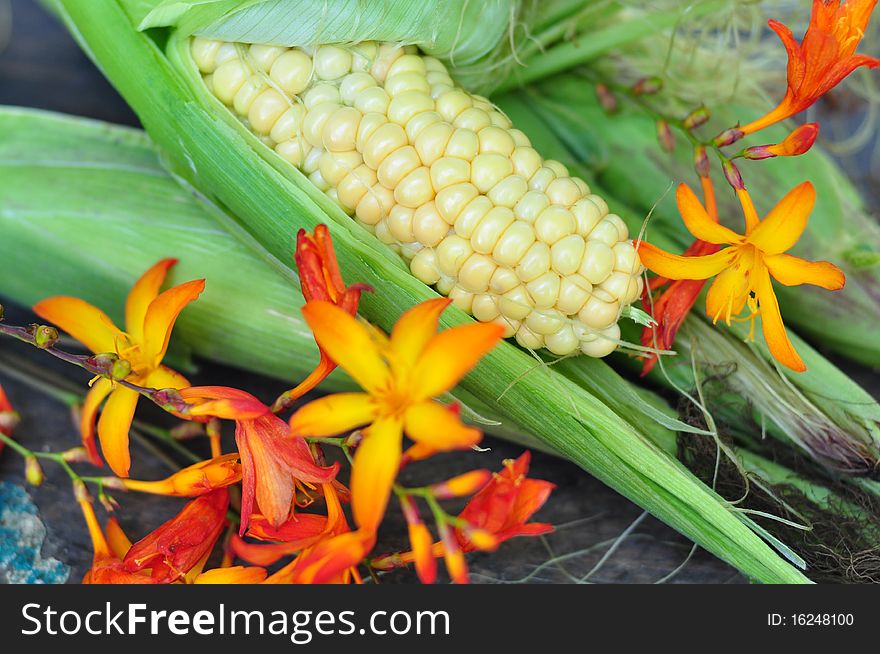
<point>9,421</point>
<point>481,539</point>
<point>103,362</point>
<point>76,455</point>
<point>120,369</point>
<point>697,117</point>
<point>114,482</point>
<point>354,438</point>
<point>733,176</point>
<point>606,98</point>
<point>728,137</point>
<point>665,136</point>
<point>795,144</point>
<point>462,485</point>
<point>170,400</point>
<point>701,161</point>
<point>45,336</point>
<point>387,562</point>
<point>80,492</point>
<point>110,505</point>
<point>33,472</point>
<point>647,86</point>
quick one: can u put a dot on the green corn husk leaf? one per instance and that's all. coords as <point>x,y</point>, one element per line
<point>622,153</point>
<point>83,192</point>
<point>207,146</point>
<point>823,411</point>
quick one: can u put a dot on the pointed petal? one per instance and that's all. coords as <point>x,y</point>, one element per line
<point>434,425</point>
<point>248,478</point>
<point>698,222</point>
<point>415,328</point>
<point>726,295</point>
<point>116,538</point>
<point>423,556</point>
<point>450,355</point>
<point>332,415</point>
<point>85,322</point>
<point>373,472</point>
<point>165,377</point>
<point>162,314</point>
<point>793,271</point>
<point>113,428</point>
<point>96,395</point>
<point>348,343</point>
<point>142,293</point>
<point>771,323</point>
<point>783,226</point>
<point>674,266</point>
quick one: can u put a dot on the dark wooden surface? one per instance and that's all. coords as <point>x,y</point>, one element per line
<point>42,67</point>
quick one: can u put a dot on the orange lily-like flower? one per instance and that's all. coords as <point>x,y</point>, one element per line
<point>272,458</point>
<point>746,267</point>
<point>400,375</point>
<point>503,507</point>
<point>824,57</point>
<point>320,279</point>
<point>197,479</point>
<point>302,531</point>
<point>149,319</point>
<point>331,561</point>
<point>182,543</point>
<point>109,550</point>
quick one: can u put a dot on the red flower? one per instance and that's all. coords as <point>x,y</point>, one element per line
<point>8,416</point>
<point>823,59</point>
<point>272,458</point>
<point>183,542</point>
<point>503,507</point>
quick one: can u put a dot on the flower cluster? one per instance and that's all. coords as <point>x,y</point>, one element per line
<point>290,524</point>
<point>744,264</point>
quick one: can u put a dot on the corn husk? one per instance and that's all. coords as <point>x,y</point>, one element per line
<point>206,146</point>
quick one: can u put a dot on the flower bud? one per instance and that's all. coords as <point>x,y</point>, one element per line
<point>606,99</point>
<point>110,505</point>
<point>701,161</point>
<point>665,136</point>
<point>696,118</point>
<point>733,176</point>
<point>9,421</point>
<point>80,492</point>
<point>33,472</point>
<point>647,86</point>
<point>728,137</point>
<point>76,455</point>
<point>120,369</point>
<point>481,539</point>
<point>795,144</point>
<point>466,484</point>
<point>44,336</point>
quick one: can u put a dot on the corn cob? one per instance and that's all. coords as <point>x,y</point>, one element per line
<point>442,177</point>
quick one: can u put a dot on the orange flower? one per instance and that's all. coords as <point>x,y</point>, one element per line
<point>320,279</point>
<point>795,144</point>
<point>109,549</point>
<point>400,375</point>
<point>823,59</point>
<point>421,541</point>
<point>302,531</point>
<point>505,504</point>
<point>149,319</point>
<point>745,268</point>
<point>197,479</point>
<point>182,543</point>
<point>272,459</point>
<point>331,561</point>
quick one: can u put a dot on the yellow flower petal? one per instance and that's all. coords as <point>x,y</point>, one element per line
<point>727,295</point>
<point>113,428</point>
<point>348,343</point>
<point>793,271</point>
<point>675,266</point>
<point>161,316</point>
<point>165,377</point>
<point>333,414</point>
<point>449,356</point>
<point>85,322</point>
<point>116,538</point>
<point>432,424</point>
<point>698,222</point>
<point>783,226</point>
<point>373,472</point>
<point>415,328</point>
<point>142,293</point>
<point>771,323</point>
<point>97,393</point>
